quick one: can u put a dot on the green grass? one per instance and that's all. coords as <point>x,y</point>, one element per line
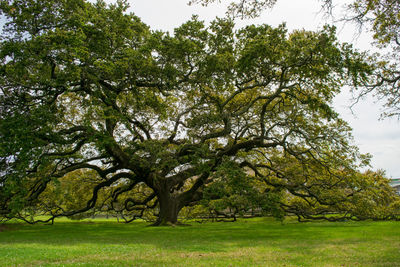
<point>256,242</point>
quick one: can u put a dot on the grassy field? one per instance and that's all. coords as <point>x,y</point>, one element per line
<point>256,242</point>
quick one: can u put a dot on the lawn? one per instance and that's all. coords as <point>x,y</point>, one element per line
<point>255,242</point>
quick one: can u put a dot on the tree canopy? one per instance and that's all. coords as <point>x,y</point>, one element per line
<point>88,90</point>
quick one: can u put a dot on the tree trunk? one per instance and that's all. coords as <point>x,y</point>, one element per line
<point>169,209</point>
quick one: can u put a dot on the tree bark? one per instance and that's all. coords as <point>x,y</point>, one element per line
<point>170,205</point>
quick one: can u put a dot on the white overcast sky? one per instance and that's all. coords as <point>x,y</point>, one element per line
<point>381,138</point>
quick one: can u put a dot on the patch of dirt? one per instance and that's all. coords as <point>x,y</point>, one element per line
<point>3,227</point>
<point>86,222</point>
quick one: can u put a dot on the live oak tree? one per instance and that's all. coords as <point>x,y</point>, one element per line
<point>87,87</point>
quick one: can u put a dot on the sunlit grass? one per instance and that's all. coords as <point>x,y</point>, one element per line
<point>256,242</point>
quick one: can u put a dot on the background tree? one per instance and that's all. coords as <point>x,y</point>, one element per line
<point>381,18</point>
<point>247,9</point>
<point>88,87</point>
<point>70,192</point>
<point>238,192</point>
<point>335,193</point>
<point>242,8</point>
